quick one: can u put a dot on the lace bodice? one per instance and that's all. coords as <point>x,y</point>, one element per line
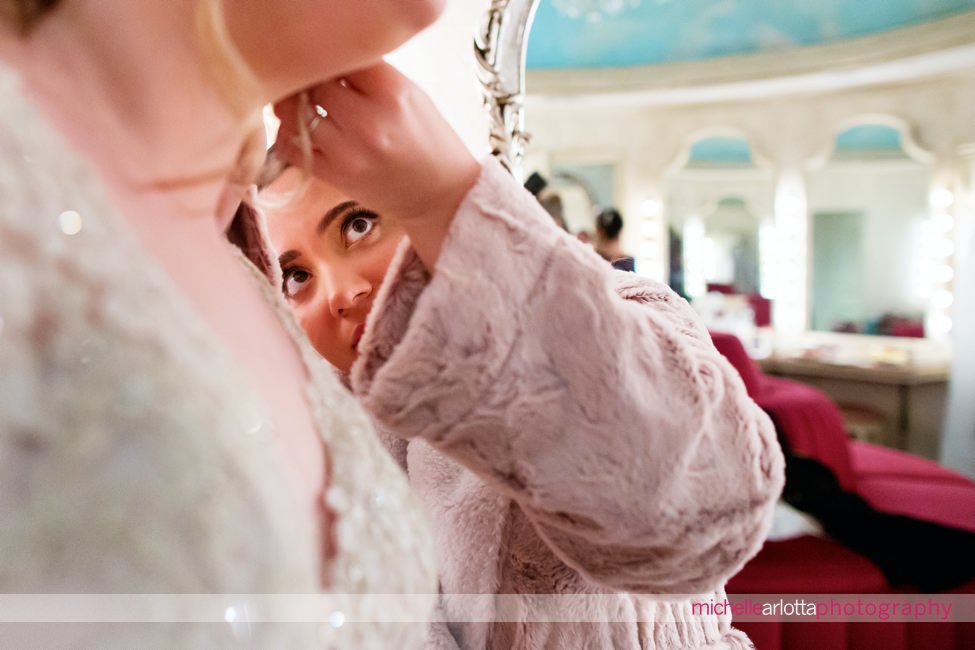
<point>134,456</point>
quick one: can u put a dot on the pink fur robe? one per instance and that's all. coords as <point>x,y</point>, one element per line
<point>571,430</point>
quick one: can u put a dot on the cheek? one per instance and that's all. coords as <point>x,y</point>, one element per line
<point>322,331</point>
<point>380,258</point>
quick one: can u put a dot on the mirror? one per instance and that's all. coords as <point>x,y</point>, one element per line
<point>868,206</point>
<point>581,188</point>
<point>719,201</point>
<point>500,48</point>
<point>612,86</point>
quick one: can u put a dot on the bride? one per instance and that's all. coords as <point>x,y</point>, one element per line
<point>164,425</point>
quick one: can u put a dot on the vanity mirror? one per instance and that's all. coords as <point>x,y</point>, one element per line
<point>719,195</point>
<point>622,101</point>
<point>873,254</point>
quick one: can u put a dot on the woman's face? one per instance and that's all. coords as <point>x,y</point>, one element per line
<point>293,44</point>
<point>334,254</point>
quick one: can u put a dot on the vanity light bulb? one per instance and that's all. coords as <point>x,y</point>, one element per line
<point>942,299</point>
<point>944,274</point>
<point>946,248</point>
<point>942,198</point>
<point>650,208</point>
<point>650,228</point>
<point>939,323</point>
<point>943,222</point>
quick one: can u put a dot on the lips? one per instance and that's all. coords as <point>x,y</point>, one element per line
<point>357,334</point>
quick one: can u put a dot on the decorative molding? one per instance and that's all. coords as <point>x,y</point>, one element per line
<point>933,48</point>
<point>907,131</point>
<point>760,159</point>
<point>500,46</point>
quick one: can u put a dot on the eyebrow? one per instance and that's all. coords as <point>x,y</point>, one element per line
<point>330,216</point>
<point>333,214</point>
<point>288,256</point>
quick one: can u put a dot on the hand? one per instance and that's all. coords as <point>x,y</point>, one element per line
<point>386,145</point>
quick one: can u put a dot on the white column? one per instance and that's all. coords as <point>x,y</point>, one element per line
<point>790,315</point>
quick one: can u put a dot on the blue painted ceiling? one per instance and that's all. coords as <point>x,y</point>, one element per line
<point>869,137</point>
<point>721,150</point>
<point>668,31</point>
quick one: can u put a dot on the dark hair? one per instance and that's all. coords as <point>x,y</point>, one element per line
<point>609,223</point>
<point>536,183</point>
<point>25,14</point>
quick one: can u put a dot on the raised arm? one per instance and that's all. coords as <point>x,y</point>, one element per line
<point>594,400</point>
<point>591,397</point>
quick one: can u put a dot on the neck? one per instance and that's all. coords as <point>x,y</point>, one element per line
<point>610,248</point>
<point>139,104</point>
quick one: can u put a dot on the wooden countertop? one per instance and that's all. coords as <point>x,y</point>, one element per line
<point>884,373</point>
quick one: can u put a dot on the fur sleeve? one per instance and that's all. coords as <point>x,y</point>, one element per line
<point>591,397</point>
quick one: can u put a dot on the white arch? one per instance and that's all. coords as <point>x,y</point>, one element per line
<point>760,158</point>
<point>909,142</point>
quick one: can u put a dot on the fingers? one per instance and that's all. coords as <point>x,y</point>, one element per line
<point>339,103</point>
<point>299,143</point>
<point>303,116</point>
<point>287,111</point>
<point>375,80</point>
<point>342,97</point>
<point>339,100</point>
<point>314,160</point>
<point>374,130</point>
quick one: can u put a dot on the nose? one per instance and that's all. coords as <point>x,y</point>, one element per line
<point>345,291</point>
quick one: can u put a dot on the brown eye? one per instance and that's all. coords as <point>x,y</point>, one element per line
<point>294,281</point>
<point>358,227</point>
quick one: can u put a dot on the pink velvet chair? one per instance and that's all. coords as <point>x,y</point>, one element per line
<point>889,480</point>
<point>762,308</point>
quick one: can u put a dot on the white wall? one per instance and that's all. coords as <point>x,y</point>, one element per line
<point>893,196</point>
<point>441,61</point>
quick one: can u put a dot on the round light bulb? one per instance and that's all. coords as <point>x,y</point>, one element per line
<point>942,198</point>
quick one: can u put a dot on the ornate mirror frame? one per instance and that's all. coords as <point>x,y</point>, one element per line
<point>500,48</point>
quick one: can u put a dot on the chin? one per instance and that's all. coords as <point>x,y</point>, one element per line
<point>426,12</point>
<point>342,362</point>
<point>412,18</point>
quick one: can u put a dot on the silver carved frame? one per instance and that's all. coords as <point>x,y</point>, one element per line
<point>500,47</point>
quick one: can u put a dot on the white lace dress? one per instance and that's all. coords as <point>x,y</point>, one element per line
<point>135,458</point>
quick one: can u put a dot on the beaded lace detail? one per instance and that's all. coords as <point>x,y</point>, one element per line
<point>372,500</point>
<point>134,455</point>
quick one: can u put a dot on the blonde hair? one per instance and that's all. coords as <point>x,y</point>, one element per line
<point>228,69</point>
<point>237,83</point>
<point>241,88</point>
